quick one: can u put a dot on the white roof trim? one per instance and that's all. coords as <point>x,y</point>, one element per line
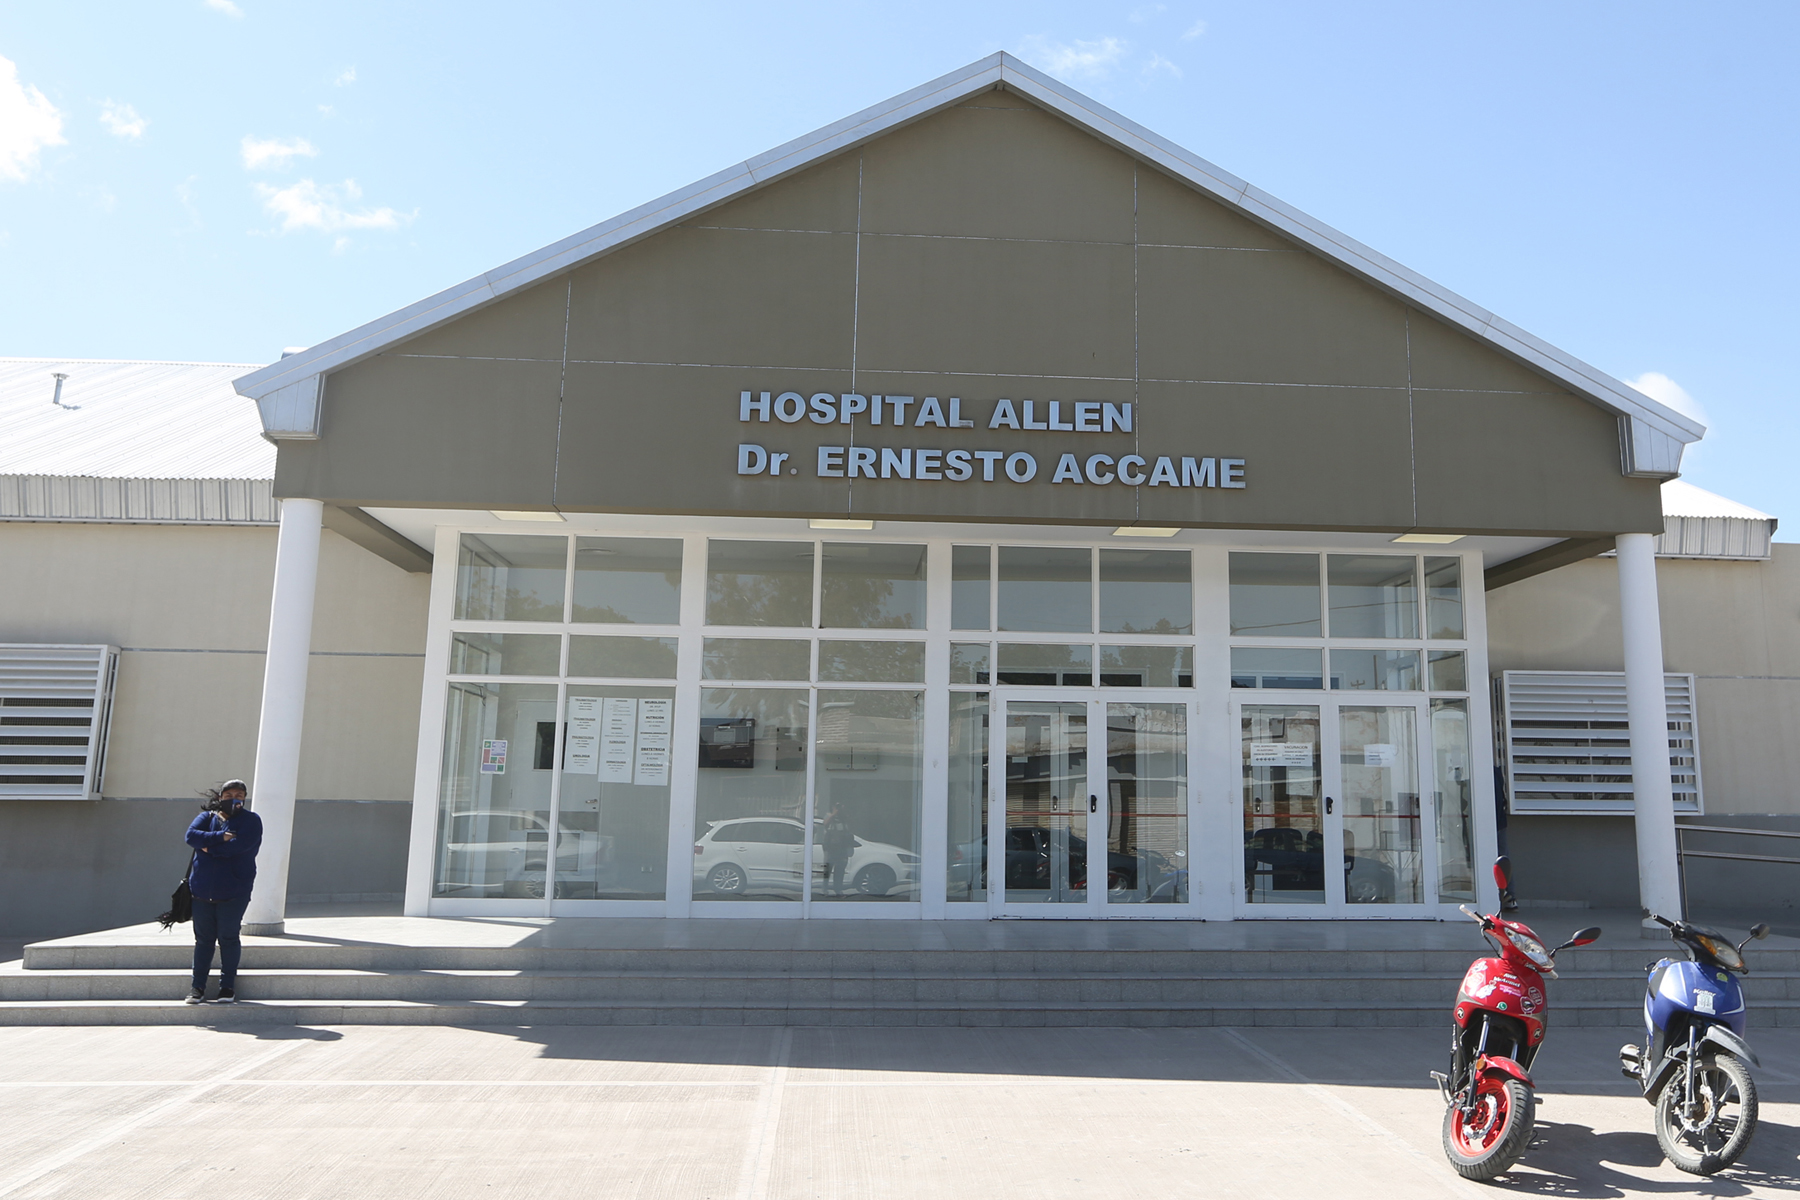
<point>1650,422</point>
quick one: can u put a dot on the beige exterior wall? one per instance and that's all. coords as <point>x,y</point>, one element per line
<point>991,250</point>
<point>1734,625</point>
<point>189,606</point>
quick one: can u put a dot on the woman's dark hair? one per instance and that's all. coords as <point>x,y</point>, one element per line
<point>215,797</point>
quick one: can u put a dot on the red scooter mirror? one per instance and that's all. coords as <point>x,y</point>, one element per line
<point>1584,937</point>
<point>1503,872</point>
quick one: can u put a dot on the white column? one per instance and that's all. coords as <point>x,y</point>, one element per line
<point>1646,708</point>
<point>277,777</point>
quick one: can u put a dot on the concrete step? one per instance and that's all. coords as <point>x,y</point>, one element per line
<point>850,1013</point>
<point>676,986</point>
<point>294,954</point>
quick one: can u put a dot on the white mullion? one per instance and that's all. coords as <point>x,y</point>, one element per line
<point>1484,846</point>
<point>934,814</point>
<point>555,814</point>
<point>806,810</point>
<point>421,858</point>
<point>684,767</point>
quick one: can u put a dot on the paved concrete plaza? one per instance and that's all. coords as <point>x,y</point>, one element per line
<point>492,1111</point>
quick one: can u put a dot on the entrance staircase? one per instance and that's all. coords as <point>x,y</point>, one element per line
<point>388,970</point>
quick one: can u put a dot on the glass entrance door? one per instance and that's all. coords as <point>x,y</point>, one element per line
<point>1332,807</point>
<point>1093,811</point>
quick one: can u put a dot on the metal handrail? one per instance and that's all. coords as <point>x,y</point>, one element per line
<point>1682,853</point>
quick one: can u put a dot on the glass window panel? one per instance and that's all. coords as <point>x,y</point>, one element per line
<point>1146,822</point>
<point>1375,670</point>
<point>628,581</point>
<point>871,586</point>
<point>870,785</point>
<point>1443,598</point>
<point>1380,766</point>
<point>970,577</point>
<point>1449,671</point>
<point>969,663</point>
<point>623,657</point>
<point>511,577</point>
<point>613,813</point>
<point>1271,667</point>
<point>1146,591</point>
<point>1373,595</point>
<point>505,653</point>
<point>1284,830</point>
<point>871,662</point>
<point>750,800</point>
<point>1046,666</point>
<point>759,583</point>
<point>756,658</point>
<point>1045,852</point>
<point>966,880</point>
<point>1274,595</point>
<point>494,790</point>
<point>1146,666</point>
<point>1455,800</point>
<point>1046,589</point>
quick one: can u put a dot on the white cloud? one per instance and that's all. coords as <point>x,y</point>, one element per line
<point>309,205</point>
<point>1159,63</point>
<point>345,78</point>
<point>1140,15</point>
<point>262,154</point>
<point>1193,31</point>
<point>122,120</point>
<point>226,7</point>
<point>1074,60</point>
<point>1663,390</point>
<point>28,123</point>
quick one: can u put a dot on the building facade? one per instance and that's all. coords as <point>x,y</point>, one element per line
<point>978,508</point>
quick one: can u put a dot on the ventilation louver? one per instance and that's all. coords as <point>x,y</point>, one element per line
<point>55,706</point>
<point>1567,745</point>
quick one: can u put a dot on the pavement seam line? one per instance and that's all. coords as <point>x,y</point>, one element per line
<point>68,1154</point>
<point>1329,1098</point>
<point>759,1153</point>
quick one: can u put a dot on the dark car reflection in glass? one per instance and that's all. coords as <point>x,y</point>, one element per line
<point>1283,859</point>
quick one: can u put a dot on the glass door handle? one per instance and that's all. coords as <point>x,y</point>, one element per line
<point>1328,806</point>
<point>1093,804</point>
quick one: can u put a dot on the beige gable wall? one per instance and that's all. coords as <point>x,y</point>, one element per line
<point>990,250</point>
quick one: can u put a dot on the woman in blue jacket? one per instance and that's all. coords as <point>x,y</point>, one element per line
<point>225,839</point>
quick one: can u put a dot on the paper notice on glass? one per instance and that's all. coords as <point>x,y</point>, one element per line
<point>655,716</point>
<point>1266,754</point>
<point>1297,754</point>
<point>1378,754</point>
<point>493,757</point>
<point>618,738</point>
<point>581,740</point>
<point>652,767</point>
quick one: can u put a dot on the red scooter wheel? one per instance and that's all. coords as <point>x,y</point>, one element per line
<point>1486,1141</point>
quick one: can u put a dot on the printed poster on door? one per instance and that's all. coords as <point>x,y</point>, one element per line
<point>581,743</point>
<point>618,738</point>
<point>650,766</point>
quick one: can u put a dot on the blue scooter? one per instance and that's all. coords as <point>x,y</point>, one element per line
<point>1692,1065</point>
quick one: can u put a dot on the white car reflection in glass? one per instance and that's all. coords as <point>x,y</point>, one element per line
<point>753,856</point>
<point>494,852</point>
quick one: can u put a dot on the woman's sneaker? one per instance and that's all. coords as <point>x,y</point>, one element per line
<point>195,996</point>
<point>226,996</point>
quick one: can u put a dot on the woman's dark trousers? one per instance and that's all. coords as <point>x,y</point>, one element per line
<point>216,922</point>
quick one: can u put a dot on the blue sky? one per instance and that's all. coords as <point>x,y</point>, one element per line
<point>216,179</point>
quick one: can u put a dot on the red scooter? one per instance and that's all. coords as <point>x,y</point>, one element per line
<point>1501,1015</point>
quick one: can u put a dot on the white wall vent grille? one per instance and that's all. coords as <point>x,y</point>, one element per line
<point>1567,746</point>
<point>55,708</point>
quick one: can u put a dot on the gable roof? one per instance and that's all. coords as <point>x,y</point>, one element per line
<point>1652,435</point>
<point>127,420</point>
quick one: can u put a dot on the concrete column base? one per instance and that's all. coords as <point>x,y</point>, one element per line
<point>267,929</point>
